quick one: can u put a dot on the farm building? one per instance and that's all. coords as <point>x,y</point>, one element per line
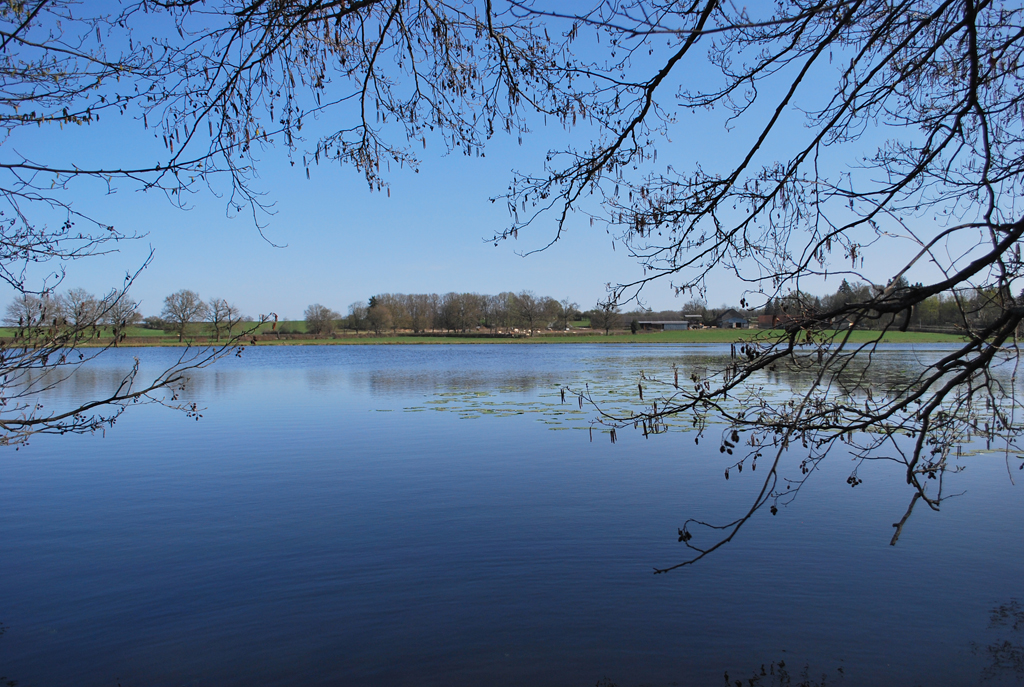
<point>731,319</point>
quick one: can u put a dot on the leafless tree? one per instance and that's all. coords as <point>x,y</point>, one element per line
<point>29,311</point>
<point>550,310</point>
<point>223,316</point>
<point>397,305</point>
<point>356,318</point>
<point>378,316</point>
<point>79,308</point>
<point>120,312</point>
<point>223,82</point>
<point>605,315</point>
<point>529,309</point>
<point>567,310</point>
<point>320,319</point>
<point>182,308</point>
<point>418,308</point>
<point>218,82</point>
<point>46,350</point>
<point>805,190</point>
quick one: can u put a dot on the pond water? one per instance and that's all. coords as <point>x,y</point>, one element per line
<point>433,515</point>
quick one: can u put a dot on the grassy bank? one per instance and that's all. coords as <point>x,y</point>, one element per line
<point>293,334</point>
<point>696,337</point>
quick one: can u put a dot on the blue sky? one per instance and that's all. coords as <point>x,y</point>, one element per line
<point>339,243</point>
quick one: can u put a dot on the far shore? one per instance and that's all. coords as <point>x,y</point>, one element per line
<point>151,338</point>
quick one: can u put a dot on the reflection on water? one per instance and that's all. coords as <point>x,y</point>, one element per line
<point>297,535</point>
<point>432,383</point>
<point>7,682</point>
<point>1005,653</point>
<point>470,377</point>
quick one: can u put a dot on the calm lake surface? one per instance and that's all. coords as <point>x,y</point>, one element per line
<point>432,515</point>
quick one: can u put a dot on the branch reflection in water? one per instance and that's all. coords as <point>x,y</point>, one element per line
<point>412,546</point>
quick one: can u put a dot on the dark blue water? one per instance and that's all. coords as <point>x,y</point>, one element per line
<point>432,516</point>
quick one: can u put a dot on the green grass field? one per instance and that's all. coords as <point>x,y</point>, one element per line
<point>290,335</point>
<point>136,336</point>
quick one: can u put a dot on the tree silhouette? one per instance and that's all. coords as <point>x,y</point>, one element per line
<point>804,190</point>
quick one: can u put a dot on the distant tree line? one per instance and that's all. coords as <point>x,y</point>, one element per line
<point>950,311</point>
<point>74,310</point>
<point>185,312</point>
<point>955,310</point>
<point>449,313</point>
